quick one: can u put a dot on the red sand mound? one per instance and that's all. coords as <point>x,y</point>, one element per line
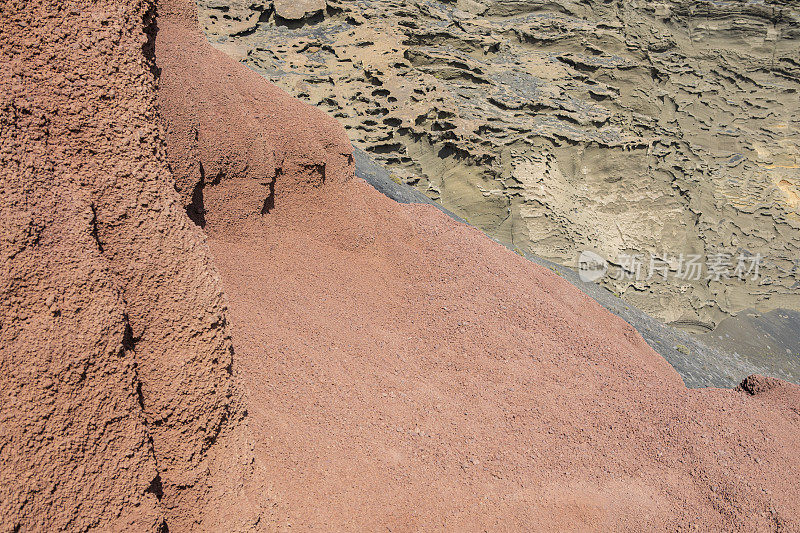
<point>400,370</point>
<point>405,371</point>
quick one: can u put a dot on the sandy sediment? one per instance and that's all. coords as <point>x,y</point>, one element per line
<point>632,130</point>
<point>274,344</point>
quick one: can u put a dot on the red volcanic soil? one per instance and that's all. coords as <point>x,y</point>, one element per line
<point>319,357</point>
<point>406,372</point>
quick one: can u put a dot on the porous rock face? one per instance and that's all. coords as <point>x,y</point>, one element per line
<point>404,371</point>
<point>400,369</point>
<point>118,408</point>
<point>298,9</point>
<point>626,128</point>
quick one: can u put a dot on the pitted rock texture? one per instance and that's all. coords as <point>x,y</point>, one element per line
<point>397,369</point>
<point>298,9</point>
<point>624,128</point>
<point>118,407</point>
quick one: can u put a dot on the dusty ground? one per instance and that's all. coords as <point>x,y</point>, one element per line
<point>367,365</point>
<point>455,397</point>
<point>636,128</point>
<point>405,371</point>
<point>749,343</point>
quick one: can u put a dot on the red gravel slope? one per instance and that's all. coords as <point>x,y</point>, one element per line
<point>405,372</point>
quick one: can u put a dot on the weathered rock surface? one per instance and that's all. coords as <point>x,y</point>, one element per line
<point>633,128</point>
<point>118,407</point>
<point>393,368</point>
<point>740,346</point>
<point>298,9</point>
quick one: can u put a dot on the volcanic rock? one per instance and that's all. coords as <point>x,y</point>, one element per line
<point>369,365</point>
<point>633,129</point>
<point>298,9</point>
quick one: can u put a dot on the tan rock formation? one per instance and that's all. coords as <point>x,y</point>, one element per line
<point>298,9</point>
<point>626,129</point>
<point>392,367</point>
